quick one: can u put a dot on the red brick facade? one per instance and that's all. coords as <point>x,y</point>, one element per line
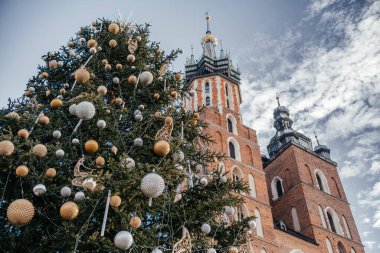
<point>295,167</point>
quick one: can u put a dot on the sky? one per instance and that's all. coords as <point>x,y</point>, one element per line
<point>321,56</point>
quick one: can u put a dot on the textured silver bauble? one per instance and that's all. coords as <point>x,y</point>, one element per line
<point>179,156</point>
<point>229,210</point>
<point>65,191</point>
<point>59,153</point>
<point>73,109</point>
<point>79,196</point>
<point>85,110</point>
<point>205,228</point>
<point>252,224</point>
<point>152,185</point>
<point>101,124</point>
<point>57,134</point>
<point>128,163</point>
<point>39,189</point>
<point>146,77</point>
<point>138,142</point>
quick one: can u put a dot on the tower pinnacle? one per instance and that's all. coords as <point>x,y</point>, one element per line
<point>278,99</point>
<point>316,137</point>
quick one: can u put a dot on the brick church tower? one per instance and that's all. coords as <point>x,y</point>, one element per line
<point>305,190</point>
<point>290,179</point>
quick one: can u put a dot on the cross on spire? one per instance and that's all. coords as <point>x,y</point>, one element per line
<point>316,137</point>
<point>278,99</point>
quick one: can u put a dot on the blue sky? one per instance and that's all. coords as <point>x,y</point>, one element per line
<point>322,56</point>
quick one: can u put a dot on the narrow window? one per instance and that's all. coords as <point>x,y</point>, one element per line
<point>252,187</point>
<point>319,180</point>
<point>259,226</point>
<point>346,227</point>
<point>228,104</point>
<point>296,223</point>
<point>230,126</point>
<point>279,188</point>
<point>329,246</point>
<point>207,101</point>
<point>232,150</point>
<point>341,248</point>
<point>331,221</point>
<point>207,88</point>
<point>322,216</point>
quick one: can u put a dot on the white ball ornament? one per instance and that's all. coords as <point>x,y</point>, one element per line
<point>146,77</point>
<point>128,163</point>
<point>59,153</point>
<point>73,109</point>
<point>139,117</point>
<point>65,191</point>
<point>211,250</point>
<point>223,179</point>
<point>31,89</point>
<point>229,210</point>
<point>79,196</point>
<point>89,184</point>
<point>141,107</point>
<point>82,40</point>
<point>57,134</point>
<point>123,240</point>
<point>203,181</point>
<point>39,189</point>
<point>138,38</point>
<point>60,63</point>
<point>157,250</point>
<point>179,156</point>
<point>116,80</point>
<point>93,50</point>
<point>101,124</point>
<point>192,93</point>
<point>199,168</point>
<point>78,57</point>
<point>136,112</point>
<point>138,142</point>
<point>152,185</point>
<point>85,110</point>
<point>205,228</point>
<point>252,224</point>
<point>75,141</point>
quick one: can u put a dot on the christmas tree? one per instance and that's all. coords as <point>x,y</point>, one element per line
<point>99,155</point>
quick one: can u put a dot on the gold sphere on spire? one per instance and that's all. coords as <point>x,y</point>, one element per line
<point>208,17</point>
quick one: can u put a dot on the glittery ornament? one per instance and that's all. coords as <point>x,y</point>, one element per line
<point>114,28</point>
<point>233,250</point>
<point>100,161</point>
<point>252,224</point>
<point>13,115</point>
<point>53,64</point>
<point>152,185</point>
<point>22,171</point>
<point>203,181</point>
<point>229,210</point>
<point>131,58</point>
<point>69,210</point>
<point>146,77</point>
<point>57,134</point>
<point>39,150</point>
<point>65,191</point>
<point>59,153</point>
<point>6,148</point>
<point>205,228</point>
<point>82,76</point>
<point>51,172</point>
<point>102,90</point>
<point>118,66</point>
<point>85,110</point>
<point>101,124</point>
<point>138,142</point>
<point>112,43</point>
<point>92,43</point>
<point>115,201</point>
<point>132,79</point>
<point>123,240</point>
<point>39,189</point>
<point>178,155</point>
<point>79,196</point>
<point>89,184</point>
<point>128,163</point>
<point>135,222</point>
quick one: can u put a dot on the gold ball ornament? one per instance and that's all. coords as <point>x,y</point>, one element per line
<point>53,64</point>
<point>174,94</point>
<point>62,91</point>
<point>92,43</point>
<point>157,114</point>
<point>168,120</point>
<point>6,148</point>
<point>82,76</point>
<point>161,148</point>
<point>44,120</point>
<point>118,101</point>
<point>114,28</point>
<point>51,172</point>
<point>135,222</point>
<point>104,62</point>
<point>100,161</point>
<point>193,122</point>
<point>40,106</point>
<point>115,201</point>
<point>119,66</point>
<point>39,150</point>
<point>91,146</point>
<point>108,67</point>
<point>196,115</point>
<point>178,76</point>
<point>55,103</point>
<point>22,171</point>
<point>156,96</point>
<point>131,58</point>
<point>20,212</point>
<point>233,250</point>
<point>69,210</point>
<point>132,79</point>
<point>112,43</point>
<point>44,75</point>
<point>13,115</point>
<point>102,90</point>
<point>23,133</point>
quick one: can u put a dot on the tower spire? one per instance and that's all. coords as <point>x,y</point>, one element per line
<point>192,60</point>
<point>221,50</point>
<point>316,137</point>
<point>278,99</point>
<point>208,17</point>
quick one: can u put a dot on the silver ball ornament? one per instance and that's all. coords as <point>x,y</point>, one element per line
<point>75,141</point>
<point>65,191</point>
<point>203,181</point>
<point>199,168</point>
<point>93,50</point>
<point>178,167</point>
<point>128,163</point>
<point>116,80</point>
<point>59,153</point>
<point>205,228</point>
<point>79,196</point>
<point>39,189</point>
<point>146,77</point>
<point>252,224</point>
<point>60,63</point>
<point>31,89</point>
<point>139,117</point>
<point>138,142</point>
<point>89,184</point>
<point>179,156</point>
<point>57,134</point>
<point>223,179</point>
<point>101,124</point>
<point>229,210</point>
<point>123,240</point>
<point>85,110</point>
<point>136,112</point>
<point>152,185</point>
<point>211,250</point>
<point>156,250</point>
<point>192,93</point>
<point>73,109</point>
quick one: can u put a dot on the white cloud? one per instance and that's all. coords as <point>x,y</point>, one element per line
<point>369,244</point>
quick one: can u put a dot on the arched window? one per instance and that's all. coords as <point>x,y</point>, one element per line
<point>322,181</point>
<point>333,221</point>
<point>207,87</point>
<point>222,168</point>
<point>237,175</point>
<point>241,213</point>
<point>296,251</point>
<point>329,246</point>
<point>231,148</point>
<point>322,216</point>
<point>346,227</point>
<point>208,102</point>
<point>277,188</point>
<point>353,250</point>
<point>296,223</point>
<point>336,187</point>
<point>252,186</point>
<point>259,225</point>
<point>341,248</point>
<point>230,126</point>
